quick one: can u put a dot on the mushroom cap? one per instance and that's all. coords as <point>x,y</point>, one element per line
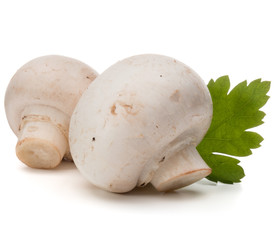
<point>54,81</point>
<point>139,112</point>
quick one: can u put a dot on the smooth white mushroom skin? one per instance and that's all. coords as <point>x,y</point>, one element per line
<point>39,101</point>
<point>135,121</point>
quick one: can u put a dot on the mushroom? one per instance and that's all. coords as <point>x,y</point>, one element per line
<point>140,122</point>
<point>39,101</point>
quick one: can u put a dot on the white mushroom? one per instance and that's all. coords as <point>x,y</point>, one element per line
<point>39,101</point>
<point>140,122</point>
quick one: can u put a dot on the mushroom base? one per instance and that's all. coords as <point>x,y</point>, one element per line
<point>41,145</point>
<point>183,169</point>
<point>182,180</point>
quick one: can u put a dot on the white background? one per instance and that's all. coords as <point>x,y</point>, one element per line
<point>213,37</point>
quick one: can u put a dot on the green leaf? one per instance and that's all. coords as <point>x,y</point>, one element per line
<point>233,113</point>
<point>224,169</point>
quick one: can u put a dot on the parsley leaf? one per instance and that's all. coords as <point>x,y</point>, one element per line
<point>233,114</point>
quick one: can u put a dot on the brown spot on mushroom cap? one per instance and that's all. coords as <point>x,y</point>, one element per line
<point>130,109</point>
<point>113,109</point>
<point>91,77</point>
<point>162,160</point>
<point>175,96</point>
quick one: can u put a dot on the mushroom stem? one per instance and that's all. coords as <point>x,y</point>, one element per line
<point>42,142</point>
<point>184,168</point>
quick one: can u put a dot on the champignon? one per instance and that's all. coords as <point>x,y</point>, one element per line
<point>39,101</point>
<point>139,122</point>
